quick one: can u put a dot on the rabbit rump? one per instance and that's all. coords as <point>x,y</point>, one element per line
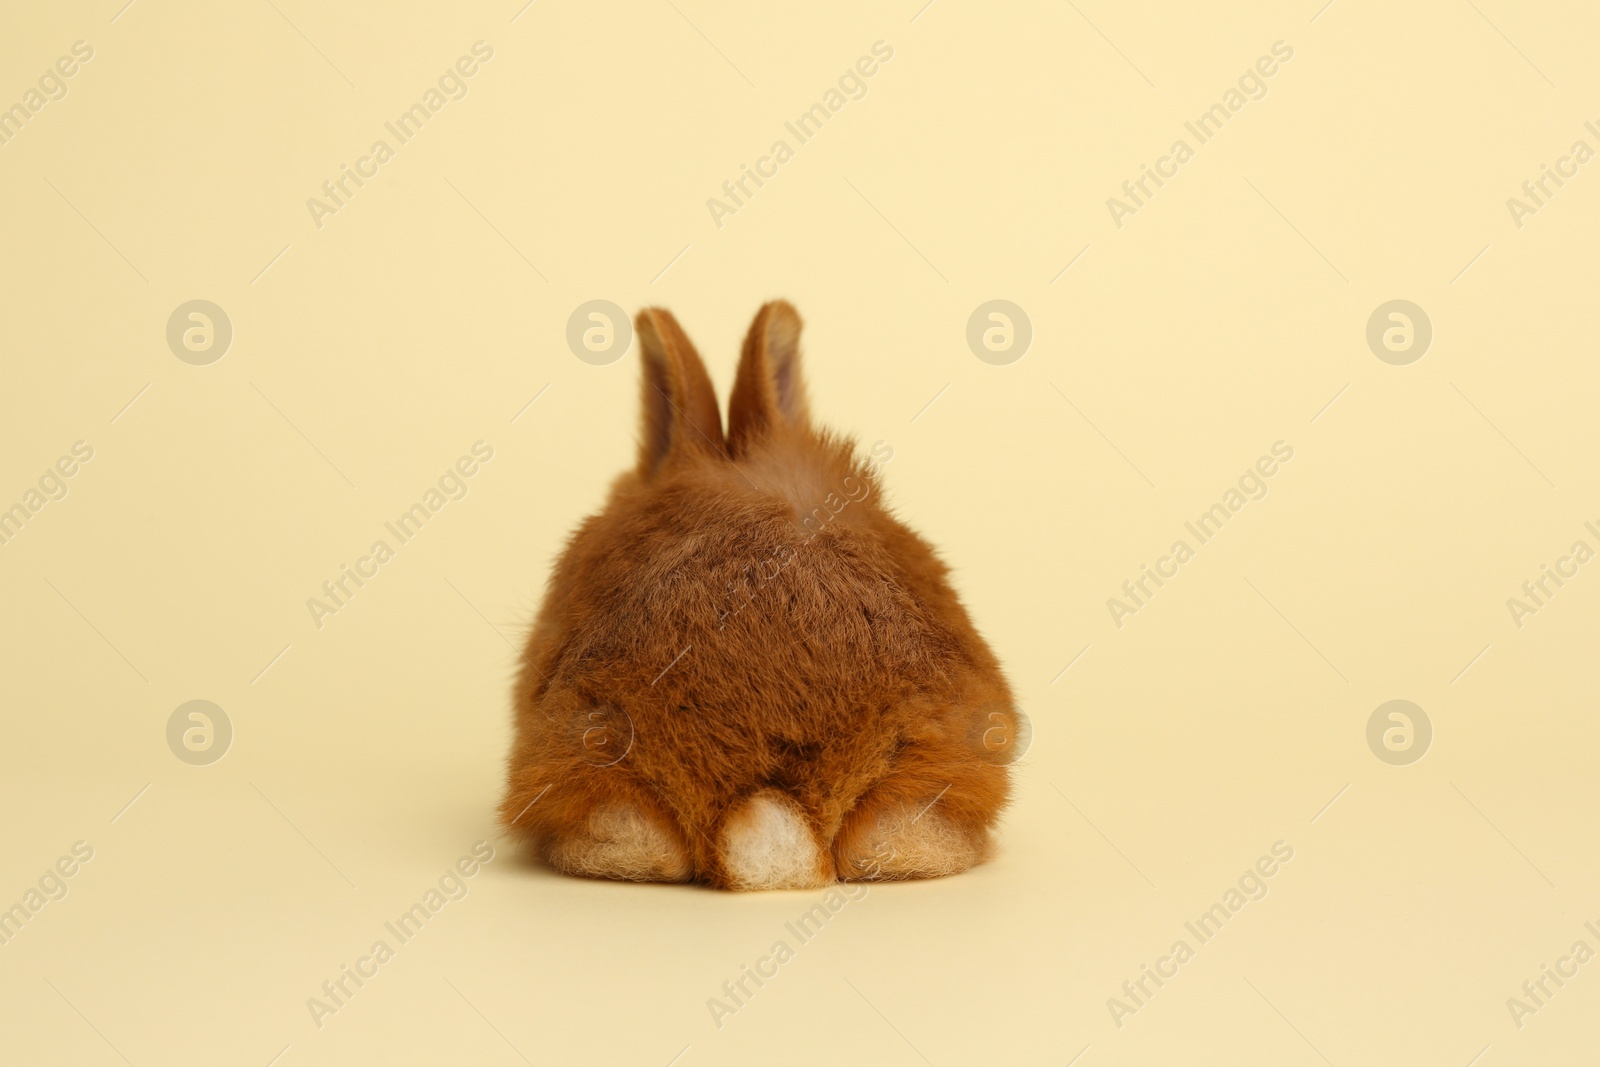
<point>746,672</point>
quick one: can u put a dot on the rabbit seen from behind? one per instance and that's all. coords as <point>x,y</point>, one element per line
<point>745,671</point>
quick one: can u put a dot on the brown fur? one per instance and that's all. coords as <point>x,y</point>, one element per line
<point>744,640</point>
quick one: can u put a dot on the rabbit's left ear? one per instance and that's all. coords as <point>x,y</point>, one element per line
<point>680,415</point>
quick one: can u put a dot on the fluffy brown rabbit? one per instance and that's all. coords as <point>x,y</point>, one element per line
<point>746,672</point>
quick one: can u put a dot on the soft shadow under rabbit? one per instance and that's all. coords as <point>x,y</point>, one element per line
<point>745,671</point>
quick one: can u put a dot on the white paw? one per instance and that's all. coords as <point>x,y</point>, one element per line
<point>621,842</point>
<point>910,844</point>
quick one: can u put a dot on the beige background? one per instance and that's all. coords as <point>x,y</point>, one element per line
<point>1227,314</point>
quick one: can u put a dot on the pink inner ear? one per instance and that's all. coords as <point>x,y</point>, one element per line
<point>658,421</point>
<point>783,384</point>
<point>783,358</point>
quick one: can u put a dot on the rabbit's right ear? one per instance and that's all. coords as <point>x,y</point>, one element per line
<point>768,390</point>
<point>680,414</point>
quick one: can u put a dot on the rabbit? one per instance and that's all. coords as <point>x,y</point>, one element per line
<point>745,671</point>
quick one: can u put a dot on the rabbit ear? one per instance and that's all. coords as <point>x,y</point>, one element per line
<point>680,407</point>
<point>768,390</point>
